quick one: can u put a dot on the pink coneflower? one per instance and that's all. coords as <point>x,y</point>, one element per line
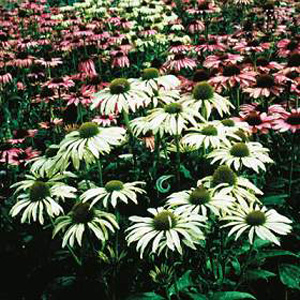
<point>149,140</point>
<point>105,120</point>
<point>257,122</point>
<point>209,45</point>
<point>196,26</point>
<point>53,123</point>
<point>203,7</point>
<point>87,66</point>
<point>264,65</point>
<point>251,46</point>
<point>178,47</point>
<point>293,64</point>
<point>5,77</point>
<point>22,60</point>
<point>77,98</point>
<point>287,47</point>
<point>8,154</point>
<point>120,60</point>
<point>178,62</point>
<point>99,34</point>
<point>215,61</point>
<point>4,41</point>
<point>148,31</point>
<point>24,155</point>
<point>82,31</point>
<point>59,82</point>
<point>265,86</point>
<point>116,38</point>
<point>21,134</point>
<point>125,46</point>
<point>289,121</point>
<point>26,43</point>
<point>126,24</point>
<point>94,84</point>
<point>275,110</point>
<point>199,75</point>
<point>232,76</point>
<point>47,61</point>
<point>45,95</point>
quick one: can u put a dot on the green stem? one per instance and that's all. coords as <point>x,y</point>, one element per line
<point>177,159</point>
<point>99,165</point>
<point>78,261</point>
<point>292,166</point>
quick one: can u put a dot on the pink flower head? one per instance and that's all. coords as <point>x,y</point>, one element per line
<point>289,121</point>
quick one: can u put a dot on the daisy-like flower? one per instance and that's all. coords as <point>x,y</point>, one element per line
<point>251,155</point>
<point>38,198</point>
<point>232,76</point>
<point>59,82</point>
<point>83,218</point>
<point>178,62</point>
<point>207,135</point>
<point>199,200</point>
<point>89,140</point>
<point>112,192</point>
<point>5,77</point>
<point>165,230</point>
<point>226,182</point>
<point>287,47</point>
<point>288,121</point>
<point>205,98</point>
<point>152,80</point>
<point>257,221</point>
<point>119,96</point>
<point>172,118</point>
<point>257,122</point>
<point>265,86</point>
<point>120,60</point>
<point>215,61</point>
<point>44,165</point>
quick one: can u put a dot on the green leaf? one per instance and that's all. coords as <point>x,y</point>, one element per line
<point>290,275</point>
<point>161,181</point>
<point>231,296</point>
<point>274,253</point>
<point>194,296</point>
<point>146,296</point>
<point>183,282</point>
<point>274,199</point>
<point>236,265</point>
<point>258,274</point>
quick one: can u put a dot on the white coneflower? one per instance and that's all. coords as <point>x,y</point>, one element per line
<point>199,200</point>
<point>82,218</point>
<point>252,155</point>
<point>172,118</point>
<point>257,222</point>
<point>204,97</point>
<point>226,182</point>
<point>165,230</point>
<point>208,135</point>
<point>89,140</point>
<point>39,198</point>
<point>152,80</point>
<point>112,192</point>
<point>120,95</point>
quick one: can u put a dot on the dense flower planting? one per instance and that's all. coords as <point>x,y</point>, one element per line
<point>150,149</point>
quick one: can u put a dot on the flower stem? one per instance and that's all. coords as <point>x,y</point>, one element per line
<point>177,159</point>
<point>292,166</point>
<point>99,165</point>
<point>78,261</point>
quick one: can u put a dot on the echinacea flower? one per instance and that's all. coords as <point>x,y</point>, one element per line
<point>83,218</point>
<point>152,80</point>
<point>225,181</point>
<point>178,62</point>
<point>119,96</point>
<point>289,121</point>
<point>89,140</point>
<point>207,135</point>
<point>112,192</point>
<point>265,86</point>
<point>165,230</point>
<point>257,221</point>
<point>172,118</point>
<point>200,200</point>
<point>251,155</point>
<point>39,198</point>
<point>204,97</point>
